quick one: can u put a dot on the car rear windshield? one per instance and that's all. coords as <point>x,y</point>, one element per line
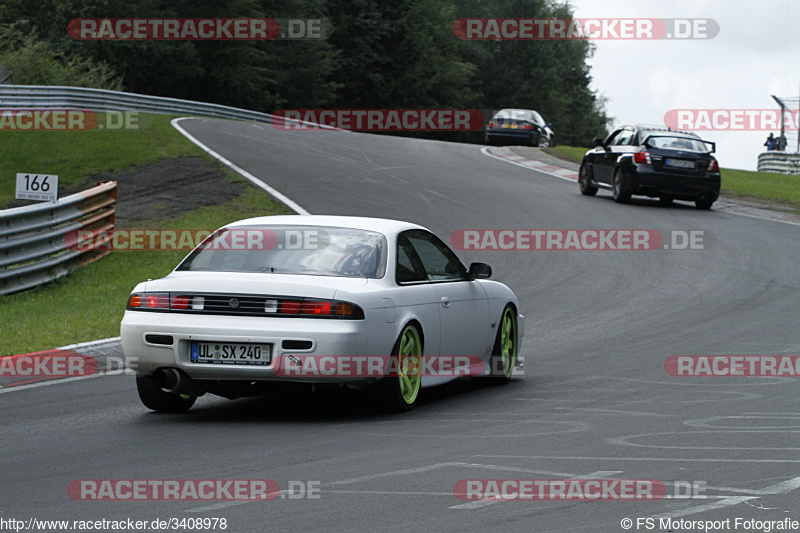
<point>310,250</point>
<point>514,114</point>
<point>671,142</point>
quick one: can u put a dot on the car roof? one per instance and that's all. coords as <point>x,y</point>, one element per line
<point>381,225</point>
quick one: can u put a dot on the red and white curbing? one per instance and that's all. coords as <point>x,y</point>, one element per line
<point>508,155</point>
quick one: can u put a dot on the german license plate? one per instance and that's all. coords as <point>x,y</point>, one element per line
<point>224,353</point>
<point>511,126</point>
<point>679,163</point>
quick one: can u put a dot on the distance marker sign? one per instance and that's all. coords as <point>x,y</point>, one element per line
<point>41,187</point>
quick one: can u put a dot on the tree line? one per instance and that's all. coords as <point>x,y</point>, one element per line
<point>379,54</point>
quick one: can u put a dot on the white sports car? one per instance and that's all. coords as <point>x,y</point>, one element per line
<point>363,302</point>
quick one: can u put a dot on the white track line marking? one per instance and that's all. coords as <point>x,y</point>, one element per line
<point>727,502</point>
<point>530,164</point>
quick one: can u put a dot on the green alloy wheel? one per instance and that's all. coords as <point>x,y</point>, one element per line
<point>504,355</point>
<point>400,390</point>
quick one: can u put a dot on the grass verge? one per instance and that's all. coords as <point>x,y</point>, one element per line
<point>573,153</point>
<point>88,304</point>
<point>75,155</point>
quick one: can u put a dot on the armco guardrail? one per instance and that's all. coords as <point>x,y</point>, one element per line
<point>779,162</point>
<point>56,97</point>
<point>33,247</point>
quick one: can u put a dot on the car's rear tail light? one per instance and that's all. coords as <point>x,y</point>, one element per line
<point>526,126</point>
<point>149,300</point>
<point>713,165</point>
<point>643,158</point>
<point>273,306</point>
<point>313,307</point>
<point>290,307</point>
<point>494,124</point>
<point>156,300</point>
<point>322,308</point>
<point>347,310</point>
<point>179,302</point>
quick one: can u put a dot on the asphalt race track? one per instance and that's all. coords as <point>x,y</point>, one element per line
<point>593,401</point>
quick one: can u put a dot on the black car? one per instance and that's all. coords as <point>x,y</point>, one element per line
<point>518,126</point>
<point>654,162</point>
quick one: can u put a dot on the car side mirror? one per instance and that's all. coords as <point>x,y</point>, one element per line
<point>480,271</point>
<point>597,141</point>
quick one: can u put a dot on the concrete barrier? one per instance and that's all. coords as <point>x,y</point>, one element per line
<point>779,162</point>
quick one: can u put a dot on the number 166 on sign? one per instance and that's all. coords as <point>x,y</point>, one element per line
<point>40,187</point>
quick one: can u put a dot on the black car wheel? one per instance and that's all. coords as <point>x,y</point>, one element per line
<point>585,181</point>
<point>620,190</point>
<point>535,140</point>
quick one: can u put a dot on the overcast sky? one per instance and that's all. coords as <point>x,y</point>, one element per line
<point>756,54</point>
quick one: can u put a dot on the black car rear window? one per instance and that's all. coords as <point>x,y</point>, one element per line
<point>672,142</point>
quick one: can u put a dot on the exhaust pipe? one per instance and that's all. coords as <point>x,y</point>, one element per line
<point>167,379</point>
<point>174,381</point>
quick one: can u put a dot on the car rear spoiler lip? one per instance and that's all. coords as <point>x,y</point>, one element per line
<point>713,144</point>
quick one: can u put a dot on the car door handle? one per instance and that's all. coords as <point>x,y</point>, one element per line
<point>445,301</point>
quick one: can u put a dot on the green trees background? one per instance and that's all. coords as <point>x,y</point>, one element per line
<point>380,54</point>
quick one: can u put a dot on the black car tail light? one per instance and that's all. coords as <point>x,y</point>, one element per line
<point>713,165</point>
<point>642,158</point>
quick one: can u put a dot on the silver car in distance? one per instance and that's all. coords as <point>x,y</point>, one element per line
<point>364,302</point>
